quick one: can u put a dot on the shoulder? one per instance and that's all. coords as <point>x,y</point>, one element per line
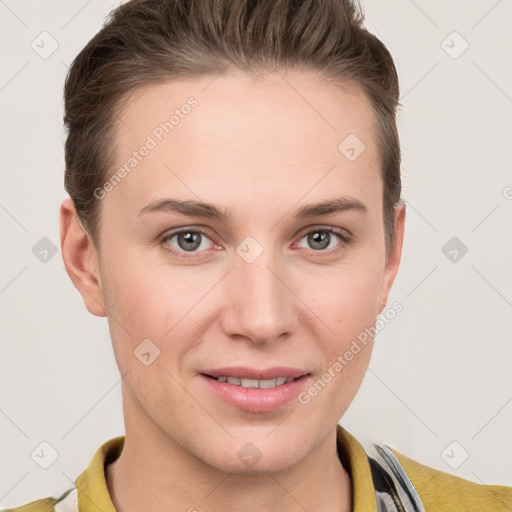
<point>62,503</point>
<point>442,491</point>
<point>41,505</point>
<point>91,484</point>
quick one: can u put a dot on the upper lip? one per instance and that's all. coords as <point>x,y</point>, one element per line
<point>246,372</point>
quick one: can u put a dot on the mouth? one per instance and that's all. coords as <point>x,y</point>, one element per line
<point>253,390</point>
<point>254,383</point>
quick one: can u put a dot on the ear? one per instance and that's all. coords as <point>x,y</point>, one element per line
<point>81,259</point>
<point>394,256</point>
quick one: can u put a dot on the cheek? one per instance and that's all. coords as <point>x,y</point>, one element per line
<point>151,296</point>
<point>346,299</point>
<point>153,300</point>
<point>348,307</point>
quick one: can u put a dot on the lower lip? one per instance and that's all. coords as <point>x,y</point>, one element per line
<point>256,399</point>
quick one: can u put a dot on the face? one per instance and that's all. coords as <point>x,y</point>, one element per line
<point>188,293</point>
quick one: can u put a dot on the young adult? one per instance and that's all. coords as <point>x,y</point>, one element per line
<point>234,179</point>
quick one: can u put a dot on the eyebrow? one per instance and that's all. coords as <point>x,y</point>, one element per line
<point>206,210</point>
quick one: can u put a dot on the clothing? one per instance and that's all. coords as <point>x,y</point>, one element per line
<point>432,490</point>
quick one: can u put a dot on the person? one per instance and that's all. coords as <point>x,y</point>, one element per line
<point>235,212</point>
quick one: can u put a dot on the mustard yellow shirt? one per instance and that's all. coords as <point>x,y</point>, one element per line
<point>438,491</point>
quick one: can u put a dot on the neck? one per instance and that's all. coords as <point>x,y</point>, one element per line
<point>154,473</point>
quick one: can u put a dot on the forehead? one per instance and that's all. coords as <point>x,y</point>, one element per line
<point>239,137</point>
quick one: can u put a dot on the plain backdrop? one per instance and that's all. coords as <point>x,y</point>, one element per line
<point>439,387</point>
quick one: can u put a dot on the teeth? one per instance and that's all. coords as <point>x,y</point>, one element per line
<point>253,383</point>
<point>249,383</point>
<point>266,384</point>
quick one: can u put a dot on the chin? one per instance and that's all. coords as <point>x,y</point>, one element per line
<point>248,460</point>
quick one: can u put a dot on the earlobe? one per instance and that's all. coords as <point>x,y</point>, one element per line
<point>394,256</point>
<point>81,259</point>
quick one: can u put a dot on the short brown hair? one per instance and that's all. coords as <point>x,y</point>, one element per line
<point>145,42</point>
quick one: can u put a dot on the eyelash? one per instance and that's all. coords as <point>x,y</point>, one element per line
<point>345,240</point>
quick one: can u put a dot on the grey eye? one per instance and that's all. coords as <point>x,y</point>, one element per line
<point>320,239</point>
<point>188,240</point>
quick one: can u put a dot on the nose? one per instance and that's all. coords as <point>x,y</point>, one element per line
<point>260,304</point>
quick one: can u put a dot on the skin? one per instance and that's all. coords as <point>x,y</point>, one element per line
<point>256,147</point>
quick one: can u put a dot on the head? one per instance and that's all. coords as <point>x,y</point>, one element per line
<point>244,115</point>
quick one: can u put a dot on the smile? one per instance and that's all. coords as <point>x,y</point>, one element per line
<point>253,383</point>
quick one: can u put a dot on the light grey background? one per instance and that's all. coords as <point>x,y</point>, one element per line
<point>440,371</point>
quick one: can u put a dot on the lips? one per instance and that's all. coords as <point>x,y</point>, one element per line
<point>256,390</point>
